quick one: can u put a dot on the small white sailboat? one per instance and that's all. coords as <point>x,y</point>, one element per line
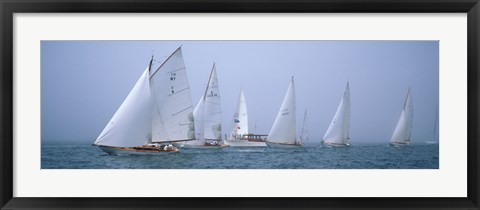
<point>434,140</point>
<point>240,126</point>
<point>208,117</point>
<point>240,136</point>
<point>304,132</point>
<point>157,110</point>
<point>403,130</point>
<point>338,133</point>
<point>283,132</point>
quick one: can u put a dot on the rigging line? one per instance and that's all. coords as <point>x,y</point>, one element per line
<point>179,91</point>
<point>181,111</point>
<point>179,48</point>
<point>177,70</point>
<point>209,78</point>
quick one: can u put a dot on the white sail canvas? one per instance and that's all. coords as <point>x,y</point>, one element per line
<point>433,139</point>
<point>173,104</point>
<point>198,118</point>
<point>403,130</point>
<point>338,131</point>
<point>130,126</point>
<point>240,118</point>
<point>304,131</point>
<point>284,128</point>
<point>212,118</point>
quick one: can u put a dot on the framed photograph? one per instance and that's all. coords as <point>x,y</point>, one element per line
<point>239,105</point>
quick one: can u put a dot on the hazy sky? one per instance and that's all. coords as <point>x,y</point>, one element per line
<point>84,82</point>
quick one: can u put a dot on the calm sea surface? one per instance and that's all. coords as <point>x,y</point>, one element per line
<point>312,156</point>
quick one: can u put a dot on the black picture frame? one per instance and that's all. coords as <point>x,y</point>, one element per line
<point>10,7</point>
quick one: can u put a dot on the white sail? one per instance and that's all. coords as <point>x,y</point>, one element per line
<point>130,126</point>
<point>198,115</point>
<point>240,118</point>
<point>304,131</point>
<point>172,113</point>
<point>212,118</point>
<point>284,128</point>
<point>403,130</point>
<point>433,140</point>
<point>338,131</point>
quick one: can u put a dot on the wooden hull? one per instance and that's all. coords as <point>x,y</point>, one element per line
<point>399,144</point>
<point>277,145</point>
<point>335,144</point>
<point>133,151</point>
<point>245,143</point>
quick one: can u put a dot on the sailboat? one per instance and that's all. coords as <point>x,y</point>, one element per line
<point>283,132</point>
<point>338,133</point>
<point>157,111</point>
<point>433,139</point>
<point>207,117</point>
<point>240,137</point>
<point>304,132</point>
<point>403,130</point>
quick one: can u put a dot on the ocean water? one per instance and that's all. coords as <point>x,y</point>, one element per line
<point>312,156</point>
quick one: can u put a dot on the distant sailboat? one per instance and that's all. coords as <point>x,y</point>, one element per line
<point>403,130</point>
<point>338,133</point>
<point>240,136</point>
<point>304,132</point>
<point>283,132</point>
<point>208,116</point>
<point>433,140</point>
<point>240,126</point>
<point>157,110</point>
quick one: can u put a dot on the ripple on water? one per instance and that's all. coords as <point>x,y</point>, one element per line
<point>358,156</point>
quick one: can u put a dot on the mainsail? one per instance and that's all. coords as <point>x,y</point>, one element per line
<point>403,130</point>
<point>130,126</point>
<point>172,103</point>
<point>304,131</point>
<point>212,117</point>
<point>207,113</point>
<point>338,131</point>
<point>284,128</point>
<point>240,118</point>
<point>198,118</point>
